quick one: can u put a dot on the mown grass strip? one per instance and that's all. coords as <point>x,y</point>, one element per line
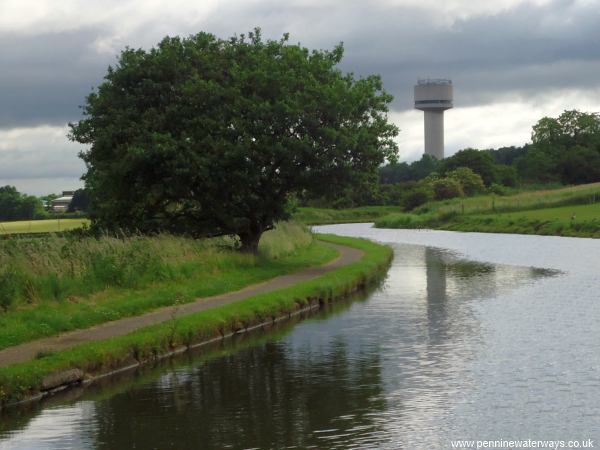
<point>24,380</point>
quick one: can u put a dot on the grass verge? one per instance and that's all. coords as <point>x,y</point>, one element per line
<point>25,380</point>
<point>323,216</point>
<point>574,221</point>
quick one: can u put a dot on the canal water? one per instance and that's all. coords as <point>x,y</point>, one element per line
<point>470,336</point>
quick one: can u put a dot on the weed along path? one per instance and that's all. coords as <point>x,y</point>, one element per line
<point>30,350</point>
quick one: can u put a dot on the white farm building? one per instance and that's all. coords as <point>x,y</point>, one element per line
<point>61,204</point>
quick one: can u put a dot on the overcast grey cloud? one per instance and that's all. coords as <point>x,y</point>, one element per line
<point>44,78</point>
<point>512,62</point>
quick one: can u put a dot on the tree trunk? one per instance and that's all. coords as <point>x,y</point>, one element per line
<point>249,241</point>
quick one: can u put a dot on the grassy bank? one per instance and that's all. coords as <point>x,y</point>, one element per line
<point>23,380</point>
<point>41,226</point>
<point>323,216</point>
<point>575,221</point>
<point>572,211</point>
<point>53,285</point>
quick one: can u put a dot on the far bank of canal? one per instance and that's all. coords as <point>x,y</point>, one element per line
<point>472,336</point>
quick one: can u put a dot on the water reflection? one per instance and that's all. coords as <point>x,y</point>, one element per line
<point>258,398</point>
<point>70,427</point>
<point>388,372</point>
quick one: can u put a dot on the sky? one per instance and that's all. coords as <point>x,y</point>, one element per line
<point>511,62</point>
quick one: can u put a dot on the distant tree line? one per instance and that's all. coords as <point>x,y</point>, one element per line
<point>17,206</point>
<point>563,150</point>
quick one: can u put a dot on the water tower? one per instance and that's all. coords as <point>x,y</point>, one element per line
<point>434,96</point>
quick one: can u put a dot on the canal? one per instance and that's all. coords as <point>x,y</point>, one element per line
<point>470,336</point>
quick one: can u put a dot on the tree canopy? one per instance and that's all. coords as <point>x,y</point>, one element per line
<point>207,136</point>
<point>80,201</point>
<point>566,148</point>
<point>479,162</point>
<point>572,128</point>
<point>415,171</point>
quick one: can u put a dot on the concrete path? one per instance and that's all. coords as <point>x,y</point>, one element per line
<point>29,350</point>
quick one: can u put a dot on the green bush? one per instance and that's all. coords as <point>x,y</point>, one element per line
<point>506,175</point>
<point>446,188</point>
<point>470,182</point>
<point>497,189</point>
<point>416,198</point>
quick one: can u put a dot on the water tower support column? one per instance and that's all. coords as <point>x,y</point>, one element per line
<point>434,133</point>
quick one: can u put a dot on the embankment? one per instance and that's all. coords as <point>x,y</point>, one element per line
<point>573,221</point>
<point>53,371</point>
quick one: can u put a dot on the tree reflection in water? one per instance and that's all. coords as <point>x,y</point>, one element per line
<point>257,398</point>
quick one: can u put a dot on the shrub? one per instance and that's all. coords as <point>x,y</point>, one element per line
<point>417,197</point>
<point>497,189</point>
<point>506,175</point>
<point>446,188</point>
<point>470,182</point>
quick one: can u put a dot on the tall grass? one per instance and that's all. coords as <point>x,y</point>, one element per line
<point>58,268</point>
<point>285,238</point>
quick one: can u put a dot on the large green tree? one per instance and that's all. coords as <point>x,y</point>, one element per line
<point>565,148</point>
<point>209,136</point>
<point>572,128</point>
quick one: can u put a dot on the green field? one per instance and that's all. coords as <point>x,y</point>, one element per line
<point>41,226</point>
<point>521,201</point>
<point>564,214</point>
<point>571,211</point>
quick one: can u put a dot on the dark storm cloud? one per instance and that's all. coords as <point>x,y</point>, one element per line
<point>524,50</point>
<point>44,78</point>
